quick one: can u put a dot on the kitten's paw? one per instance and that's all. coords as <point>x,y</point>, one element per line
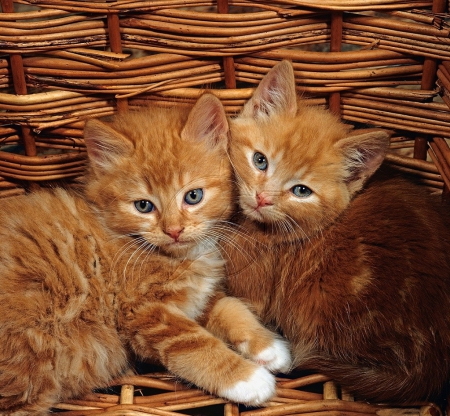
<point>258,389</point>
<point>276,358</point>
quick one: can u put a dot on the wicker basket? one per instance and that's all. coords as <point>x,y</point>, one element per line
<point>380,62</point>
<point>159,394</point>
<point>384,62</point>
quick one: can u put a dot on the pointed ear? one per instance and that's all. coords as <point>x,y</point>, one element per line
<point>105,145</point>
<point>207,122</point>
<point>364,151</point>
<point>274,94</point>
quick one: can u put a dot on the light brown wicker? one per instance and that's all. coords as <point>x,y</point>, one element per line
<point>309,395</point>
<point>380,62</point>
<point>384,62</point>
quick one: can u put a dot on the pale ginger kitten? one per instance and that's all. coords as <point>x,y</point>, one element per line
<point>355,274</point>
<point>129,266</point>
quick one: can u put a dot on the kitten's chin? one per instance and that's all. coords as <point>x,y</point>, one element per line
<point>255,216</point>
<point>177,248</point>
<point>258,215</point>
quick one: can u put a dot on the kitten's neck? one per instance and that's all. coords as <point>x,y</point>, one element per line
<point>273,233</point>
<point>208,249</point>
<point>200,251</point>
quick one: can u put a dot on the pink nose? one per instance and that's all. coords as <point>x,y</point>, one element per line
<point>174,232</point>
<point>263,200</point>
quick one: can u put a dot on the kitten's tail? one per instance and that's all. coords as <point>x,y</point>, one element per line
<point>385,385</point>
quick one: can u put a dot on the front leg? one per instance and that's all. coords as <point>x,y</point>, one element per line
<point>231,320</point>
<point>191,352</point>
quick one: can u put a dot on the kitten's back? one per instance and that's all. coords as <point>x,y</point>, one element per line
<point>379,296</point>
<point>56,318</point>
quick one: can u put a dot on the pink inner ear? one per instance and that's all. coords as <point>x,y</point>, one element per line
<point>276,92</point>
<point>219,126</point>
<point>358,165</point>
<point>360,168</point>
<point>207,121</point>
<point>363,152</point>
<point>94,148</point>
<point>104,143</point>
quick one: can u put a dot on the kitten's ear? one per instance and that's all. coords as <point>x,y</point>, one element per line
<point>207,122</point>
<point>105,146</point>
<point>274,94</point>
<point>364,151</point>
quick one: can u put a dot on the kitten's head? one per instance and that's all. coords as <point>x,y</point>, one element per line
<point>297,166</point>
<point>162,175</point>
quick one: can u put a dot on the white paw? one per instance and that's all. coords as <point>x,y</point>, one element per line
<point>258,389</point>
<point>276,358</point>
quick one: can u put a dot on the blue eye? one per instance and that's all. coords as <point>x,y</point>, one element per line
<point>144,206</point>
<point>301,191</point>
<point>260,161</point>
<point>193,196</point>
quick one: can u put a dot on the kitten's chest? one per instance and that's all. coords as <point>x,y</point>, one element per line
<point>197,293</point>
<point>200,282</point>
<point>185,283</point>
<point>252,271</point>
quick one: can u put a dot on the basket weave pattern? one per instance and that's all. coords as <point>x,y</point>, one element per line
<point>378,62</point>
<point>386,62</point>
<point>310,395</point>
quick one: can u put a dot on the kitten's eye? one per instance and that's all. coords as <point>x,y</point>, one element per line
<point>260,161</point>
<point>194,196</point>
<point>301,191</point>
<point>144,206</point>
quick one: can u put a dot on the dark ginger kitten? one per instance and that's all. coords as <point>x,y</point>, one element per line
<point>355,274</point>
<point>130,265</point>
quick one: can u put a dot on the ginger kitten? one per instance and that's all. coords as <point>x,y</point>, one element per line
<point>355,272</point>
<point>129,266</point>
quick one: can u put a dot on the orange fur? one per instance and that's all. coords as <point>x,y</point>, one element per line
<point>88,278</point>
<point>355,272</point>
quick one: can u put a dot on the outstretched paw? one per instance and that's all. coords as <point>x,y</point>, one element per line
<point>255,391</point>
<point>276,357</point>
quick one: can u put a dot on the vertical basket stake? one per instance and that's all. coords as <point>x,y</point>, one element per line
<point>334,102</point>
<point>330,390</point>
<point>115,42</point>
<point>231,409</point>
<point>127,394</point>
<point>20,85</point>
<point>428,79</point>
<point>228,61</point>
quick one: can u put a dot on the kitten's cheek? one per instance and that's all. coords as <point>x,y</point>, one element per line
<point>248,205</point>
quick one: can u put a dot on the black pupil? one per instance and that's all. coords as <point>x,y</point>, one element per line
<point>260,160</point>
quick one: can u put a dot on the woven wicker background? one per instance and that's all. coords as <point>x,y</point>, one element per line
<point>380,62</point>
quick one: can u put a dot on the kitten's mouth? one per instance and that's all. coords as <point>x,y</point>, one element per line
<point>177,245</point>
<point>254,212</point>
<point>181,243</point>
<point>261,214</point>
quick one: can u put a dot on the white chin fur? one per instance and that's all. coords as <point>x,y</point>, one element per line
<point>258,389</point>
<point>254,214</point>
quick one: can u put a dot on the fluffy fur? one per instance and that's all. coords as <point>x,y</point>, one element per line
<point>129,267</point>
<point>355,274</point>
